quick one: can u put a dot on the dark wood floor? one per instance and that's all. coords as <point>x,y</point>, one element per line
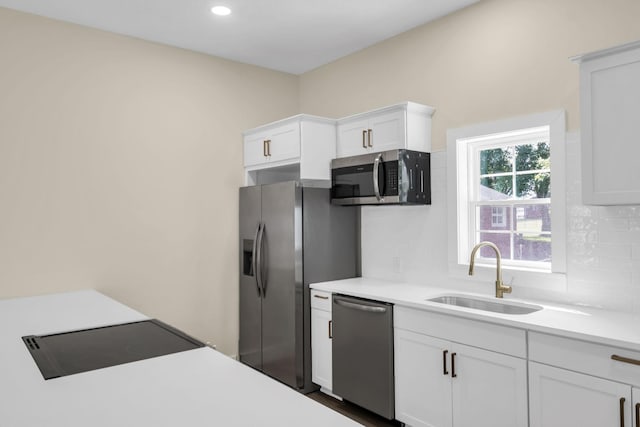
<point>356,413</point>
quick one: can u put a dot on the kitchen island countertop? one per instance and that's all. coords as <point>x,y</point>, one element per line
<point>200,387</point>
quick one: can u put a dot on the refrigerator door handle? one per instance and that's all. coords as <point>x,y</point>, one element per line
<point>259,268</point>
<point>254,261</point>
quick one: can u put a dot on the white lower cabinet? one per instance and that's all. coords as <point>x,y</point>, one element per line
<point>573,382</point>
<point>321,365</point>
<point>455,372</point>
<point>423,391</point>
<point>441,383</point>
<point>559,397</point>
<point>635,392</point>
<point>490,389</point>
<point>321,348</point>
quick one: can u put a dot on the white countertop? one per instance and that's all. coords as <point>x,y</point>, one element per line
<point>600,326</point>
<point>193,388</point>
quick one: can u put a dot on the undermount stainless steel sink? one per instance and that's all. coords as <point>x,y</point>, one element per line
<point>486,305</point>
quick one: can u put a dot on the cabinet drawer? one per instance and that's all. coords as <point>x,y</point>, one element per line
<point>501,339</point>
<point>321,300</point>
<point>586,357</point>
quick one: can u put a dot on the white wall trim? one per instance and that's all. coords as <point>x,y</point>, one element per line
<point>556,280</point>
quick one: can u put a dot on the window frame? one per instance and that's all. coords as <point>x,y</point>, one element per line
<point>474,147</point>
<point>459,172</point>
<point>501,214</point>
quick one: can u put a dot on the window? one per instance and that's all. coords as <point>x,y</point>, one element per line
<point>498,216</point>
<point>509,196</point>
<point>503,194</point>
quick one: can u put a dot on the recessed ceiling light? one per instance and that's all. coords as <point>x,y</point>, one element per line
<point>221,10</point>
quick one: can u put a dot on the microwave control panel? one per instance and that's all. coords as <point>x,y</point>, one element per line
<point>391,181</point>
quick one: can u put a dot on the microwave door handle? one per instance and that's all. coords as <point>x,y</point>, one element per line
<point>376,185</point>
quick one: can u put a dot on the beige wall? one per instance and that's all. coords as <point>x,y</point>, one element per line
<point>120,159</point>
<point>119,167</point>
<point>495,59</point>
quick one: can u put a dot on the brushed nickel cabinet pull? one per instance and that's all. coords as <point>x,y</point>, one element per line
<point>625,360</point>
<point>453,365</point>
<point>330,329</point>
<point>264,148</point>
<point>268,147</point>
<point>321,297</point>
<point>444,362</point>
<point>369,137</point>
<point>364,136</point>
<point>622,400</point>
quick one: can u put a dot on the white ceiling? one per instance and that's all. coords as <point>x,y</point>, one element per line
<point>294,36</point>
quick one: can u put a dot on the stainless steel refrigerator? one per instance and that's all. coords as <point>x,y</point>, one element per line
<point>290,236</point>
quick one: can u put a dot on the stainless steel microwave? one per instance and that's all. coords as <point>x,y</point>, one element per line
<point>389,177</point>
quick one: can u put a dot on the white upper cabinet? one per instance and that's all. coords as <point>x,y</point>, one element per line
<point>352,138</point>
<point>406,125</point>
<point>297,148</point>
<point>272,145</point>
<point>610,128</point>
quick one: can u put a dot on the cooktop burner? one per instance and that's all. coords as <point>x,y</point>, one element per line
<point>67,353</point>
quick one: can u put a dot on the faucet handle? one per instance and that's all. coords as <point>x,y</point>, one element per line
<point>502,289</point>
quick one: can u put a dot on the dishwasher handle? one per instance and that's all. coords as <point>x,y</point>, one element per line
<point>359,306</point>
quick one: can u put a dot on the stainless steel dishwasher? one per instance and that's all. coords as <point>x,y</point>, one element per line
<point>363,353</point>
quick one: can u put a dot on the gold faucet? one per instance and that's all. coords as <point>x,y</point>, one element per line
<point>501,288</point>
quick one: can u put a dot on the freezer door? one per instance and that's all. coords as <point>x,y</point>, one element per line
<point>250,345</point>
<point>330,237</point>
<point>282,304</point>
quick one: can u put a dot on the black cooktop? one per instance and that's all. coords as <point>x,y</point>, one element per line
<point>67,353</point>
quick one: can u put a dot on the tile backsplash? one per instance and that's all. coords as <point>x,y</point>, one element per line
<point>410,244</point>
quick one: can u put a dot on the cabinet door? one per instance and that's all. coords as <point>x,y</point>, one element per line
<point>610,106</point>
<point>422,381</point>
<point>321,370</point>
<point>352,138</point>
<point>387,131</point>
<point>489,388</point>
<point>636,406</point>
<point>273,145</point>
<point>284,143</point>
<point>255,150</point>
<point>559,397</point>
